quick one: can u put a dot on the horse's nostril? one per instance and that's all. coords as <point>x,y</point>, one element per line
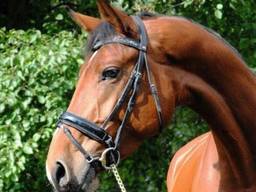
<point>61,174</point>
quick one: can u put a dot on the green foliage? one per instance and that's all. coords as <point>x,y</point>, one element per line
<point>37,78</point>
<point>38,72</point>
<point>43,15</point>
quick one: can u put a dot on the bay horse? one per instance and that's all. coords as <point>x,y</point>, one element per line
<point>165,62</point>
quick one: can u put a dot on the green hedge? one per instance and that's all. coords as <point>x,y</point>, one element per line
<point>37,77</point>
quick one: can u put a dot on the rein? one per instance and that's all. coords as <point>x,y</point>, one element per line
<point>110,157</point>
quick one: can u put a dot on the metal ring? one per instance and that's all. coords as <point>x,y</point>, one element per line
<point>103,160</point>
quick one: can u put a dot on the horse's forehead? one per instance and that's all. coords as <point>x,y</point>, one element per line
<point>110,54</point>
<point>92,57</point>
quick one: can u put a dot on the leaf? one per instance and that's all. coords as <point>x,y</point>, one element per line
<point>41,99</point>
<point>26,102</point>
<point>33,38</point>
<point>2,107</point>
<point>218,14</point>
<point>36,137</point>
<point>59,17</point>
<point>219,6</point>
<point>20,75</point>
<point>25,123</point>
<point>27,149</point>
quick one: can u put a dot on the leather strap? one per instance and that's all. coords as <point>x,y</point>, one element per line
<point>120,40</point>
<point>86,127</point>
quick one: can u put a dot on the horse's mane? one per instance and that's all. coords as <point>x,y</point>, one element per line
<point>106,30</point>
<point>219,37</point>
<point>103,31</point>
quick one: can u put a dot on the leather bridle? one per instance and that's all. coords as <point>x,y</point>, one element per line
<point>111,154</point>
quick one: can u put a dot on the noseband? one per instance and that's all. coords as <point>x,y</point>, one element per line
<point>111,154</point>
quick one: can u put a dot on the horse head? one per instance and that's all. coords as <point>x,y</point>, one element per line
<point>109,68</point>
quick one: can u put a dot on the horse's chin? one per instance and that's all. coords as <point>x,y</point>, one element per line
<point>89,182</point>
<point>92,186</point>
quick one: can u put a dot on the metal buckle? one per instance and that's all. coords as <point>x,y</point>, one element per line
<point>92,159</point>
<point>138,74</point>
<point>103,159</point>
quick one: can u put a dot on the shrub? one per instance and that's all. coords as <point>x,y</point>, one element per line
<point>37,78</point>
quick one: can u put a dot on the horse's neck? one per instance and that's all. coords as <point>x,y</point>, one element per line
<point>232,144</point>
<point>217,84</point>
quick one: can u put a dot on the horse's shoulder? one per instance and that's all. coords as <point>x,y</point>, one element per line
<point>186,163</point>
<point>189,149</point>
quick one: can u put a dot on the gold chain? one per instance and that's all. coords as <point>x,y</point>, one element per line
<point>118,178</point>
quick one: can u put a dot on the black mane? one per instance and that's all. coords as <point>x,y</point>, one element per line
<point>103,31</point>
<point>146,14</point>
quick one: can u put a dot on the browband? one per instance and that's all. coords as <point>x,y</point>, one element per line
<point>120,40</point>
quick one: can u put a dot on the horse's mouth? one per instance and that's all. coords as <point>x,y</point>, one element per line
<point>90,181</point>
<point>92,186</point>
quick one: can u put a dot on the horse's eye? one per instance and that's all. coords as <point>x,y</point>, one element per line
<point>110,73</point>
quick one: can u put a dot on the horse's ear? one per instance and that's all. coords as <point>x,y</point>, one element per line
<point>85,22</point>
<point>122,22</point>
